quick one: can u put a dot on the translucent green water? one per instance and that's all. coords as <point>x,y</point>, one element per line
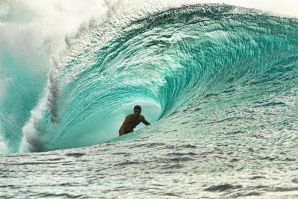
<point>210,70</point>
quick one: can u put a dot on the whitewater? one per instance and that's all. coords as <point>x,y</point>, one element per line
<point>216,80</point>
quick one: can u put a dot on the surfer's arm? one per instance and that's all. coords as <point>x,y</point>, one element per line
<point>122,128</point>
<point>144,121</point>
<point>121,131</point>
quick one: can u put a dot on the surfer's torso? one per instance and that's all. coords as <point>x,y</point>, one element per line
<point>132,122</point>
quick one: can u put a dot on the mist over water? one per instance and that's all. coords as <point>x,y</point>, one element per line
<point>32,36</point>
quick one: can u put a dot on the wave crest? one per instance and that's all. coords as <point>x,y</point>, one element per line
<point>206,59</point>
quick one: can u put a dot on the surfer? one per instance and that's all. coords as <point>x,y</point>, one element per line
<point>132,120</point>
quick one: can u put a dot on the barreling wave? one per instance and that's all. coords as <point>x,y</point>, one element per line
<point>211,68</point>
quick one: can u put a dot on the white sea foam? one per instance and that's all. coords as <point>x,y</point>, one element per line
<point>3,146</point>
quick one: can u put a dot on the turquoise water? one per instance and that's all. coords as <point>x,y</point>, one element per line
<point>202,59</point>
<point>218,83</point>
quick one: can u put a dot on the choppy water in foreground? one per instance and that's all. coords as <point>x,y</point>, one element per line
<point>225,80</point>
<point>154,168</point>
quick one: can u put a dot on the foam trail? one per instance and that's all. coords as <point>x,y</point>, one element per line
<point>3,147</point>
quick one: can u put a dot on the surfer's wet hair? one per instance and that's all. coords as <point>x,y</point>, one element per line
<point>138,108</point>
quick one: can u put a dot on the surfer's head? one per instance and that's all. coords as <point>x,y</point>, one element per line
<point>137,109</point>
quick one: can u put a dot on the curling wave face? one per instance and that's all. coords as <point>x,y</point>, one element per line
<point>216,71</point>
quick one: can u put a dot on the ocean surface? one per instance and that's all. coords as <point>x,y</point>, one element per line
<point>218,82</point>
